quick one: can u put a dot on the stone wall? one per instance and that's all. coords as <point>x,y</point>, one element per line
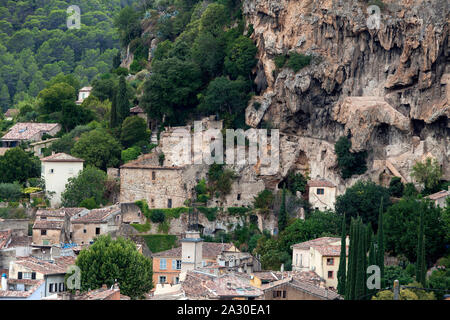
<point>18,226</point>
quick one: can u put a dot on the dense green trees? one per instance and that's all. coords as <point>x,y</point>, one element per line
<point>90,183</point>
<point>428,173</point>
<point>98,148</point>
<point>349,163</point>
<point>134,130</point>
<point>363,199</point>
<point>342,271</point>
<point>10,191</point>
<point>107,261</point>
<point>401,226</point>
<point>36,44</point>
<point>18,165</point>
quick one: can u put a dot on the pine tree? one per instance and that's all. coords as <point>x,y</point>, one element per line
<point>282,215</point>
<point>5,98</point>
<point>421,268</point>
<point>342,272</point>
<point>113,121</point>
<point>380,244</point>
<point>123,104</point>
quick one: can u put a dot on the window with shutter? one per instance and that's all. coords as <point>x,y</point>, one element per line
<point>19,276</point>
<point>33,275</point>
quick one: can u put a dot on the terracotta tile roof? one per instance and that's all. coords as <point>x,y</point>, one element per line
<point>48,224</point>
<point>73,211</point>
<point>11,113</point>
<point>202,285</point>
<point>27,130</point>
<point>439,195</point>
<point>210,250</point>
<point>57,213</point>
<point>136,109</point>
<point>311,288</point>
<point>97,215</point>
<point>59,266</point>
<point>326,246</point>
<point>5,237</point>
<point>321,183</point>
<point>22,294</point>
<point>61,157</point>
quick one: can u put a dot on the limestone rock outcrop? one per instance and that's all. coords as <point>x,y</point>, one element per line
<point>388,84</point>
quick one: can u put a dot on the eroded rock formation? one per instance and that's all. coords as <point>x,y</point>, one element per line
<point>389,86</point>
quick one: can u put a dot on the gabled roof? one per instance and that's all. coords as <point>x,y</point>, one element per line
<point>48,224</point>
<point>321,183</point>
<point>326,246</point>
<point>97,215</point>
<point>59,266</point>
<point>11,113</point>
<point>136,109</point>
<point>61,157</point>
<point>27,130</point>
<point>22,294</point>
<point>439,195</point>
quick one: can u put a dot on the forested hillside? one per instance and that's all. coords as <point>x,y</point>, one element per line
<point>36,45</point>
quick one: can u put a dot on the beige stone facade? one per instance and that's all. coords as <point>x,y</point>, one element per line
<point>320,255</point>
<point>321,194</point>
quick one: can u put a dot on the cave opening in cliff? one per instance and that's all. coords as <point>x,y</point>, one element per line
<point>417,126</point>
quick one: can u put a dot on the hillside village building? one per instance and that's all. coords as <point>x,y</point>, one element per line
<point>28,131</point>
<point>56,171</point>
<point>321,194</point>
<point>52,272</point>
<point>39,146</point>
<point>84,228</point>
<point>11,113</point>
<point>320,255</point>
<point>440,198</point>
<point>83,94</point>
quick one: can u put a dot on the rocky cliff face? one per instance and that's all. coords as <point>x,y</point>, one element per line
<point>389,86</point>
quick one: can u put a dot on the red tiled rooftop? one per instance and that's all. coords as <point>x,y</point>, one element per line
<point>136,109</point>
<point>97,215</point>
<point>59,266</point>
<point>48,224</point>
<point>22,294</point>
<point>210,250</point>
<point>27,130</point>
<point>11,113</point>
<point>439,195</point>
<point>320,183</point>
<point>326,246</point>
<point>61,157</point>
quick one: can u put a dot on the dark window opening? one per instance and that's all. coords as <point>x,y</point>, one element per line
<point>169,203</point>
<point>97,230</point>
<point>320,191</point>
<point>43,232</point>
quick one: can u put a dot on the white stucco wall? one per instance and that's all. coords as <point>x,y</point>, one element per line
<point>322,201</point>
<point>56,181</point>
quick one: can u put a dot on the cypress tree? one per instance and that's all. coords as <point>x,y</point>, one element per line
<point>123,104</point>
<point>113,121</point>
<point>372,256</point>
<point>342,272</point>
<point>421,263</point>
<point>380,244</point>
<point>282,215</point>
<point>360,261</point>
<point>351,275</point>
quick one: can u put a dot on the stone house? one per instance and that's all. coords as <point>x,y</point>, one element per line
<point>51,227</point>
<point>56,171</point>
<point>52,272</point>
<point>321,194</point>
<point>320,255</point>
<point>39,146</point>
<point>138,111</point>
<point>160,186</point>
<point>28,131</point>
<point>83,94</point>
<point>440,198</point>
<point>85,228</point>
<point>103,293</point>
